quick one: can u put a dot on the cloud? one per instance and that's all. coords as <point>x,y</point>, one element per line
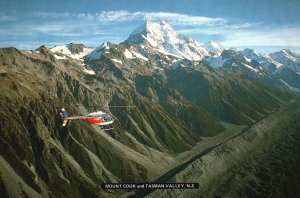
<point>48,28</point>
<point>281,36</point>
<point>116,16</point>
<point>117,25</point>
<point>59,29</point>
<point>123,15</point>
<point>247,34</point>
<point>174,18</point>
<point>221,28</point>
<point>6,18</point>
<point>183,19</point>
<point>86,16</point>
<point>103,23</point>
<point>52,15</point>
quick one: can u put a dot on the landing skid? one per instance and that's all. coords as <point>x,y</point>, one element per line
<point>106,127</point>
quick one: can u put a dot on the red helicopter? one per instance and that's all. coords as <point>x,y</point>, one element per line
<point>100,118</point>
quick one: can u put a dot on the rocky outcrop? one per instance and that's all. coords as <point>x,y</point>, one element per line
<point>75,48</point>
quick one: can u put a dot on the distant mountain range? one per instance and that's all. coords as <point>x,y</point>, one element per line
<point>182,93</point>
<point>159,38</point>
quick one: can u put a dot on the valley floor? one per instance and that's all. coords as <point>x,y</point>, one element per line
<point>261,161</point>
<point>272,171</point>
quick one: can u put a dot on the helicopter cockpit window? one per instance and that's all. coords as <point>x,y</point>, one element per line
<point>107,117</point>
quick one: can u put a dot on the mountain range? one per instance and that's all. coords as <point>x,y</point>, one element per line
<point>187,102</point>
<point>153,38</point>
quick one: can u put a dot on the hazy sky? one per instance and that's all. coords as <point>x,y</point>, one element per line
<point>260,24</point>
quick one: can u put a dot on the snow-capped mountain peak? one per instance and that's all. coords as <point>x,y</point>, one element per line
<point>155,33</point>
<point>250,53</point>
<point>72,50</point>
<point>161,37</point>
<point>286,51</point>
<point>97,52</point>
<point>288,58</point>
<point>214,47</point>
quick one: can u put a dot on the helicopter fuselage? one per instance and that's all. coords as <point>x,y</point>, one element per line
<point>95,118</point>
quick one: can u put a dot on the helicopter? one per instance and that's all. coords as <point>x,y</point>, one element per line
<point>100,118</point>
